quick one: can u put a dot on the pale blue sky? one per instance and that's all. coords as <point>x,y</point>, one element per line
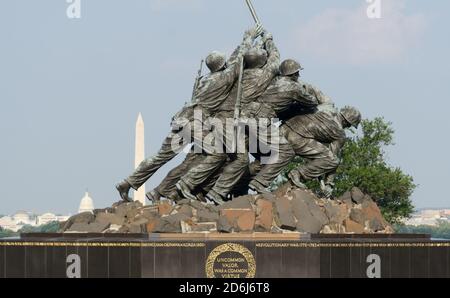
<point>70,90</point>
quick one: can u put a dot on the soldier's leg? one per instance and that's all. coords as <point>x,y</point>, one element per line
<point>255,167</point>
<point>230,177</point>
<point>242,187</point>
<point>280,153</point>
<point>149,166</point>
<point>234,172</point>
<point>320,159</point>
<point>213,146</point>
<point>211,181</point>
<point>167,187</point>
<point>199,174</point>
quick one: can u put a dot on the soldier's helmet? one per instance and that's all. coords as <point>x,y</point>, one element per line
<point>352,116</point>
<point>289,67</point>
<point>255,58</point>
<point>216,61</point>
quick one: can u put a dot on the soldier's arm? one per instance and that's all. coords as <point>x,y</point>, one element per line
<point>249,37</point>
<point>325,102</point>
<point>336,146</point>
<point>305,98</point>
<point>270,70</point>
<point>183,117</point>
<point>322,98</point>
<point>231,73</point>
<point>236,56</point>
<point>273,61</point>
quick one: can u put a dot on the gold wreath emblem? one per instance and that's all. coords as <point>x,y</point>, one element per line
<point>231,247</point>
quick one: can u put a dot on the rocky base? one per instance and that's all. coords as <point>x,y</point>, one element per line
<point>285,210</point>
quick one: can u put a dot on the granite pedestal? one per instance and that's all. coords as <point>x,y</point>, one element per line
<point>223,256</point>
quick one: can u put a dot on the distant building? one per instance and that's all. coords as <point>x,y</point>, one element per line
<point>22,218</point>
<point>17,221</point>
<point>86,204</point>
<point>8,223</point>
<point>428,217</point>
<point>431,213</point>
<point>50,217</point>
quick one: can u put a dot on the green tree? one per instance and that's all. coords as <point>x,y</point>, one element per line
<point>51,227</point>
<point>364,165</point>
<point>6,233</point>
<point>28,229</point>
<point>441,231</point>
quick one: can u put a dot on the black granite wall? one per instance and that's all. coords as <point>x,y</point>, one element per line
<point>101,257</point>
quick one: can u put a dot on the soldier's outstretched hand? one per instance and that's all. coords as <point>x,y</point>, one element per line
<point>259,30</point>
<point>266,35</point>
<point>255,32</point>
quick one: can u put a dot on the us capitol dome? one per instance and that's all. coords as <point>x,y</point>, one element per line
<point>86,204</point>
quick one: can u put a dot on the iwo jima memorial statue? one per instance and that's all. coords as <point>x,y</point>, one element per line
<point>217,214</point>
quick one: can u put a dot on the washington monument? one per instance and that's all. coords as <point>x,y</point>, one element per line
<point>139,195</point>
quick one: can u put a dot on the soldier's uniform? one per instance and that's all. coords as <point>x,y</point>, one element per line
<point>254,82</point>
<point>277,99</point>
<point>318,138</point>
<point>210,95</point>
<point>167,187</point>
<point>148,167</point>
<point>213,159</point>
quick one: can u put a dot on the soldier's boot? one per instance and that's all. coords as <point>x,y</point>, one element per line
<point>185,190</point>
<point>174,196</point>
<point>258,187</point>
<point>296,178</point>
<point>326,189</point>
<point>124,188</point>
<point>153,196</point>
<point>215,198</point>
<point>201,197</point>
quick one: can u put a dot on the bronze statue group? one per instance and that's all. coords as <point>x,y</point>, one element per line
<point>252,87</point>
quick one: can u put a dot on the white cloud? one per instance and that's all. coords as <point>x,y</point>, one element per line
<point>349,36</point>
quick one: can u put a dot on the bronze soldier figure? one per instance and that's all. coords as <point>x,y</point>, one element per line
<point>284,91</point>
<point>251,85</point>
<point>261,67</point>
<point>166,153</point>
<point>211,91</point>
<point>319,138</point>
